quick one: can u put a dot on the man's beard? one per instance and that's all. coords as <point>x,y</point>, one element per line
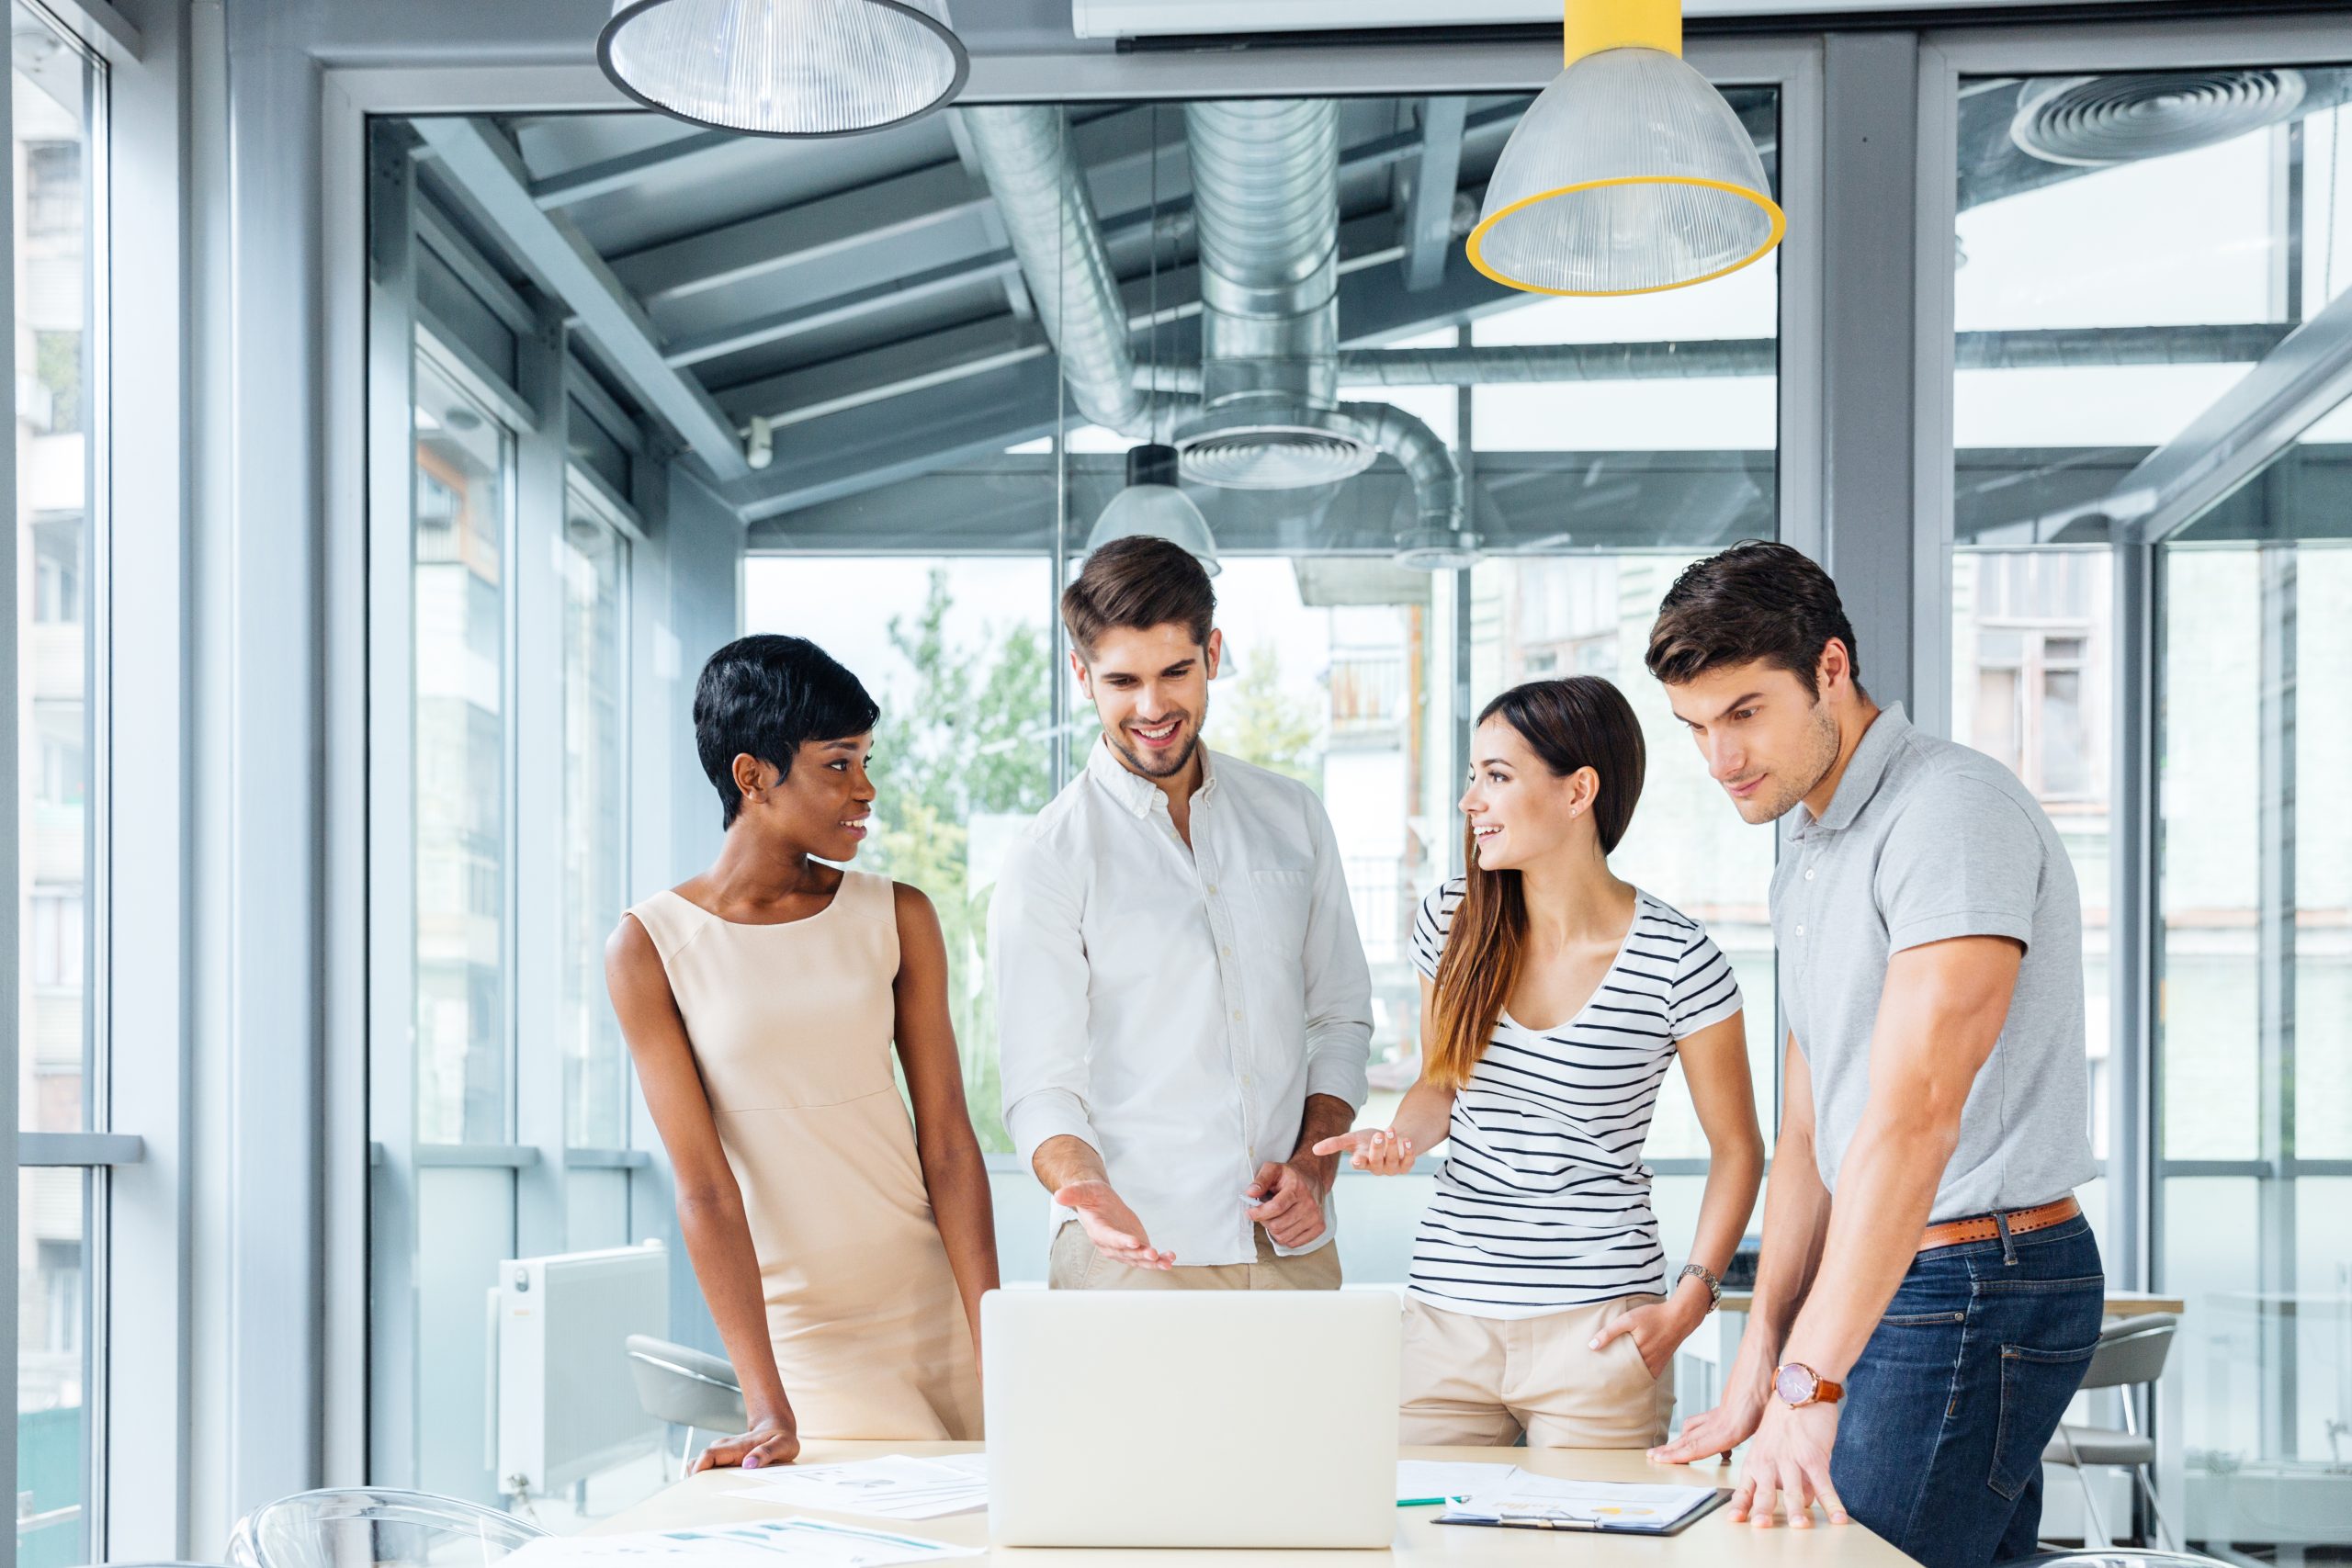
<point>1819,758</point>
<point>1147,767</point>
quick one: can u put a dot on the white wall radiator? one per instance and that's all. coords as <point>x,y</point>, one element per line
<point>566,1406</point>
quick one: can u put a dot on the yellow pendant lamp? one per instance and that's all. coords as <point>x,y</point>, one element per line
<point>1629,173</point>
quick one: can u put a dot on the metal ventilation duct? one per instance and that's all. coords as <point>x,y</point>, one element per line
<point>1265,183</point>
<point>1266,219</point>
<point>1048,216</point>
<point>2093,121</point>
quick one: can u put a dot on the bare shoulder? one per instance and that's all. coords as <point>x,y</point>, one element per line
<point>912,902</point>
<point>630,944</point>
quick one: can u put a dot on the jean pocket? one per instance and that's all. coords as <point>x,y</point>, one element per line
<point>2036,1386</point>
<point>1923,1319</point>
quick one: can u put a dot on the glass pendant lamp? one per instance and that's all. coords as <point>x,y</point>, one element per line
<point>1151,504</point>
<point>1629,173</point>
<point>784,67</point>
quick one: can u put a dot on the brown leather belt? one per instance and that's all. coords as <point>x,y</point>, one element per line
<point>1984,1228</point>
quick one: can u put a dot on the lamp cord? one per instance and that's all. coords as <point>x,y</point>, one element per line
<point>1151,233</point>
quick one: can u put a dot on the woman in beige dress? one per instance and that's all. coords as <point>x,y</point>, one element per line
<point>842,1249</point>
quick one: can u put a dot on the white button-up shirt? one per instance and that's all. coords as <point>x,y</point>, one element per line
<point>1175,1007</point>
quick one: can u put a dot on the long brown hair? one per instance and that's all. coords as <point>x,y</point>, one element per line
<point>1580,722</point>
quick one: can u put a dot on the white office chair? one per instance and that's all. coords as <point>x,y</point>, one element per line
<point>686,1388</point>
<point>2131,1355</point>
<point>2117,1557</point>
<point>336,1528</point>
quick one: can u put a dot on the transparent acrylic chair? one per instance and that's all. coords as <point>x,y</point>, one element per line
<point>361,1526</point>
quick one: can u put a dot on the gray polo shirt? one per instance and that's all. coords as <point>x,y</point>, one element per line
<point>1926,840</point>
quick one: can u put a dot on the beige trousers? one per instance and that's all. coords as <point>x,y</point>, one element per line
<point>1076,1266</point>
<point>1481,1381</point>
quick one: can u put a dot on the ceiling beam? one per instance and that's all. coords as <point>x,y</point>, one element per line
<point>2287,391</point>
<point>1429,212</point>
<point>484,167</point>
<point>892,218</point>
<point>927,219</point>
<point>609,174</point>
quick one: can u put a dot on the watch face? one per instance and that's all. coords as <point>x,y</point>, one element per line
<point>1793,1383</point>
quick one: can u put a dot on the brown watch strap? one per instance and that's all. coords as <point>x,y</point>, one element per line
<point>1827,1393</point>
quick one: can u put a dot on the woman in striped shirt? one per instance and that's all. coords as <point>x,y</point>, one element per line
<point>1534,1305</point>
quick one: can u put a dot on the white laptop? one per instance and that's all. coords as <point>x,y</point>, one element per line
<point>1253,1419</point>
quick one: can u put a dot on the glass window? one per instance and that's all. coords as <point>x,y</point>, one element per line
<point>464,482</point>
<point>957,651</point>
<point>595,830</point>
<point>55,110</point>
<point>2094,329</point>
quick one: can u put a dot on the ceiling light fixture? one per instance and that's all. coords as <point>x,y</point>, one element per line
<point>1629,173</point>
<point>785,67</point>
<point>1153,506</point>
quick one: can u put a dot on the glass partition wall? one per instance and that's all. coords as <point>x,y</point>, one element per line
<point>2162,659</point>
<point>1601,446</point>
<point>2141,634</point>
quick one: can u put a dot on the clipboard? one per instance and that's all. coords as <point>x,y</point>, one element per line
<point>1716,1499</point>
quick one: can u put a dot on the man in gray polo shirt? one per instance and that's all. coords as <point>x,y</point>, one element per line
<point>1930,1293</point>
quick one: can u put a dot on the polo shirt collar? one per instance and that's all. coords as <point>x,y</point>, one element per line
<point>1865,771</point>
<point>1131,789</point>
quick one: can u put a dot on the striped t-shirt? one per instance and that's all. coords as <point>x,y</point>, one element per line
<point>1544,1202</point>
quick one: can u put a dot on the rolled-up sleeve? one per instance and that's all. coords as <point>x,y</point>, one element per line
<point>1037,960</point>
<point>1339,983</point>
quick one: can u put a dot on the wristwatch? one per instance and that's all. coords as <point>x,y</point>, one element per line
<point>1799,1385</point>
<point>1714,1286</point>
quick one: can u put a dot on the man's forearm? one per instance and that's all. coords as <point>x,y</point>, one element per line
<point>1062,1160</point>
<point>1889,1178</point>
<point>1796,1218</point>
<point>1323,1117</point>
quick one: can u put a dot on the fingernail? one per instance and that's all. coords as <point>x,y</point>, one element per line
<point>751,1461</point>
<point>1592,1344</point>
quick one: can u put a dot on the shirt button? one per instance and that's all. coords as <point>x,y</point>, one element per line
<point>1225,952</point>
<point>1212,889</point>
<point>1808,873</point>
<point>1799,930</point>
<point>1237,1015</point>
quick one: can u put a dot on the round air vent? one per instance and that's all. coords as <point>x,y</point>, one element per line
<point>2093,121</point>
<point>1254,447</point>
<point>1275,458</point>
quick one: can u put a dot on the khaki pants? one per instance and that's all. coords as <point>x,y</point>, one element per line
<point>1480,1381</point>
<point>1076,1266</point>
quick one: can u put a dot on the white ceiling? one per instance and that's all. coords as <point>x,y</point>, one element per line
<point>1144,18</point>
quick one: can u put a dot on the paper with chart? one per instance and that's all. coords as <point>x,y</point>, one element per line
<point>766,1543</point>
<point>897,1487</point>
<point>1599,1505</point>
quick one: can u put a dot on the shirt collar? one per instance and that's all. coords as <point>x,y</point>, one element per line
<point>1865,771</point>
<point>1131,789</point>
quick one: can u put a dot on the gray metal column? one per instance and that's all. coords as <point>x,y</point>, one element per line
<point>2133,934</point>
<point>2275,960</point>
<point>270,746</point>
<point>1869,329</point>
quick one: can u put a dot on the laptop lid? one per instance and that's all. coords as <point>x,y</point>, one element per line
<point>1136,1418</point>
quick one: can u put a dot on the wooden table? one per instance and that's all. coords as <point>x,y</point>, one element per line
<point>1712,1542</point>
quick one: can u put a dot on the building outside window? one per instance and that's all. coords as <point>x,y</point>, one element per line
<point>57,94</point>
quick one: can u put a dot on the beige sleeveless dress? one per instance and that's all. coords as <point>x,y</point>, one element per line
<point>792,1027</point>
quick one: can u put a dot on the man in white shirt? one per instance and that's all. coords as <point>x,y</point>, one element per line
<point>1182,998</point>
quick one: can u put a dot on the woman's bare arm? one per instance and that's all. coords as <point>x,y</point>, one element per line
<point>710,1205</point>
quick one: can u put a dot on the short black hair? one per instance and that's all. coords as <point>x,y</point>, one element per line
<point>1757,602</point>
<point>1134,584</point>
<point>764,696</point>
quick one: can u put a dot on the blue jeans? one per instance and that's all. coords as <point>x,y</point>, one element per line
<point>1939,1444</point>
